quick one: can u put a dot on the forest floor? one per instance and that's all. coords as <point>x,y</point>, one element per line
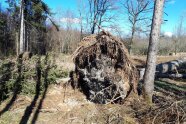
<point>63,105</point>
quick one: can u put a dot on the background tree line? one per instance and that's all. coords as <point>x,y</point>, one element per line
<point>40,31</point>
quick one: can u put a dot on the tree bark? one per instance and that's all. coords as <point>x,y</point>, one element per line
<point>21,47</point>
<point>93,27</point>
<point>17,43</point>
<point>152,51</point>
<point>132,38</point>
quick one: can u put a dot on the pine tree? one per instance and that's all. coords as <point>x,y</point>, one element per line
<point>33,17</point>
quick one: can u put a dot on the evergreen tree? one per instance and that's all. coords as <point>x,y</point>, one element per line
<point>35,16</point>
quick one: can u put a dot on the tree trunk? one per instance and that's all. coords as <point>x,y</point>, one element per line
<point>163,70</point>
<point>24,34</point>
<point>93,28</point>
<point>152,51</point>
<point>100,22</point>
<point>21,47</point>
<point>26,37</point>
<point>17,43</point>
<point>132,38</point>
<point>175,47</point>
<point>81,26</point>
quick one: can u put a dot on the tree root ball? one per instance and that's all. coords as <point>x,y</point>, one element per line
<point>103,70</point>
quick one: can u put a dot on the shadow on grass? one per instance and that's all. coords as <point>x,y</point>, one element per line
<point>36,114</point>
<point>179,91</point>
<point>29,108</point>
<point>17,86</point>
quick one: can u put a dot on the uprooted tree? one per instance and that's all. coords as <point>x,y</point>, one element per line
<point>103,70</point>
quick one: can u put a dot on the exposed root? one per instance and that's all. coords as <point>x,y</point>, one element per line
<point>104,71</point>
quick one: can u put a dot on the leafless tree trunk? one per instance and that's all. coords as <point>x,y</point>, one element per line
<point>81,9</point>
<point>17,43</point>
<point>81,26</point>
<point>95,14</point>
<point>152,51</point>
<point>132,38</point>
<point>21,48</point>
<point>179,29</point>
<point>26,37</point>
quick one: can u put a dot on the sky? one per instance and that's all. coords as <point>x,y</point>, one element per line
<point>173,9</point>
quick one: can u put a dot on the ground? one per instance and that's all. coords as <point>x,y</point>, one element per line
<point>61,104</point>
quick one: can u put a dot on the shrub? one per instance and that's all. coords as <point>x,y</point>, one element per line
<point>24,74</point>
<point>6,81</point>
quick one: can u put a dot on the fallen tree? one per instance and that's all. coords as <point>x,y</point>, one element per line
<point>103,70</point>
<point>171,66</point>
<point>171,69</point>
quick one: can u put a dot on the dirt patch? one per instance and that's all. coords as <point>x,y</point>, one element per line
<point>64,105</point>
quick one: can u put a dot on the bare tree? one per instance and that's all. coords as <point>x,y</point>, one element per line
<point>66,39</point>
<point>137,12</point>
<point>152,50</point>
<point>179,32</point>
<point>82,16</point>
<point>98,10</point>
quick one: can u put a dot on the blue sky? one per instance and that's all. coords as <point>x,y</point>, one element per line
<point>64,4</point>
<point>174,9</point>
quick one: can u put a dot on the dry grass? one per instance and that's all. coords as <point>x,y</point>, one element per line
<point>64,105</point>
<point>141,60</point>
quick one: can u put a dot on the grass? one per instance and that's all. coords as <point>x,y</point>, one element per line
<point>170,87</point>
<point>76,109</point>
<point>9,75</point>
<point>10,118</point>
<point>64,105</point>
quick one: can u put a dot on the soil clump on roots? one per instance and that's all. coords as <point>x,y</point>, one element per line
<point>104,72</point>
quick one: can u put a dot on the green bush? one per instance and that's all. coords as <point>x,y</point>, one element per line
<point>6,81</point>
<point>26,79</point>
